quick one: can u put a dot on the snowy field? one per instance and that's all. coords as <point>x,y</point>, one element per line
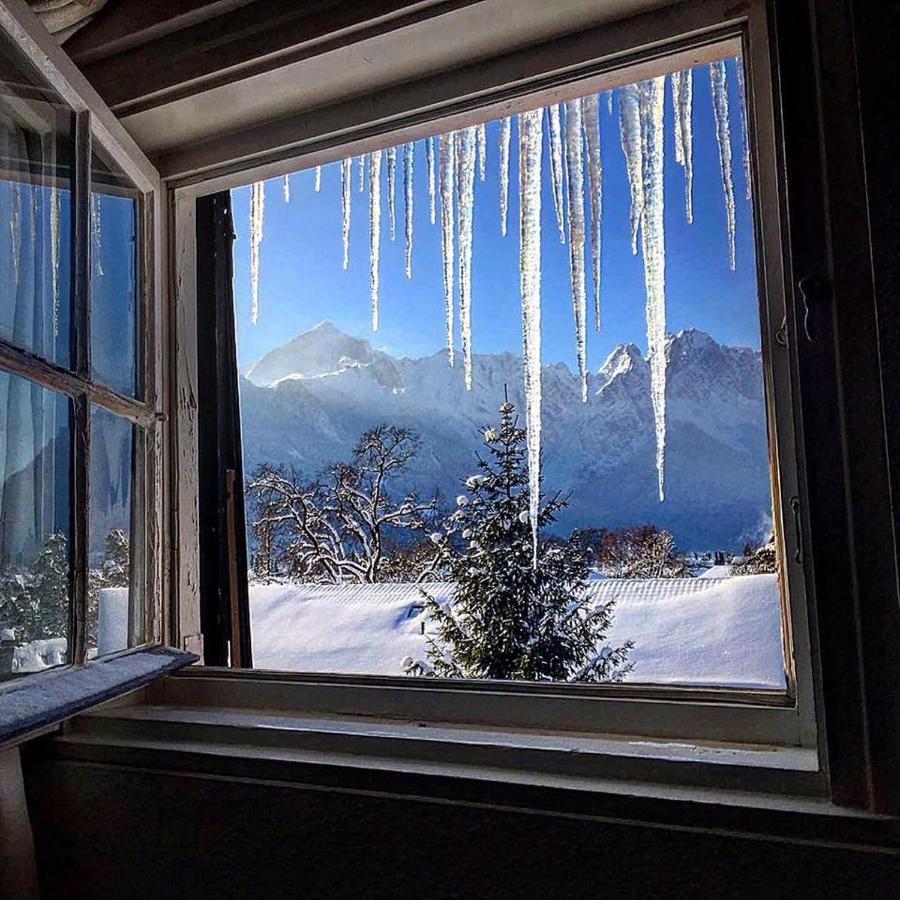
<point>695,631</point>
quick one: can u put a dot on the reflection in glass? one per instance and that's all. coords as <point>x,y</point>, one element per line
<point>35,211</point>
<point>115,305</point>
<point>114,596</point>
<point>34,526</point>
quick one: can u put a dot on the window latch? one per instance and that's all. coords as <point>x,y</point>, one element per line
<point>813,292</point>
<point>798,528</point>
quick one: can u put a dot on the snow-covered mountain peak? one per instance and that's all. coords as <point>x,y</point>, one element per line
<point>623,358</point>
<point>322,350</point>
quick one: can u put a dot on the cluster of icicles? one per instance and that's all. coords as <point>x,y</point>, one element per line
<point>573,129</point>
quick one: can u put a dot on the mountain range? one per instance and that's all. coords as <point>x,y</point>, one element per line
<point>306,402</point>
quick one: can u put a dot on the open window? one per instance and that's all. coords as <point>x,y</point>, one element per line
<point>80,529</point>
<point>681,610</point>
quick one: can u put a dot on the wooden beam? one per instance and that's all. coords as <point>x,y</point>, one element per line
<point>253,38</point>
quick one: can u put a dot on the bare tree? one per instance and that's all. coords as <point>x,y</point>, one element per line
<point>336,527</point>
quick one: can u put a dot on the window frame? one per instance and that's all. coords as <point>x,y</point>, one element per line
<point>593,60</point>
<point>94,123</point>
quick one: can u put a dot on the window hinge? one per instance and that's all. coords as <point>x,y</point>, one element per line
<point>193,643</point>
<point>814,293</point>
<point>798,528</point>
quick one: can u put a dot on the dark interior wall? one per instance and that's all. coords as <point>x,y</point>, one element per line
<point>149,834</point>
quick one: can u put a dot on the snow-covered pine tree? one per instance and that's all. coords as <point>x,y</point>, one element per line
<point>508,618</point>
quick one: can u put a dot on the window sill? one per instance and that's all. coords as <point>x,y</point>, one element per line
<point>36,703</point>
<point>743,790</point>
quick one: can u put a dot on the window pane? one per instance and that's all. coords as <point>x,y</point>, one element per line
<point>35,459</point>
<point>115,302</point>
<point>115,585</point>
<point>35,210</point>
<point>389,476</point>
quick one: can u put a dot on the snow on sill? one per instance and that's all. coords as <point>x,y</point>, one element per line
<point>44,699</point>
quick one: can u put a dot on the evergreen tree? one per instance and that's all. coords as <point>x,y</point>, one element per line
<point>509,619</point>
<point>34,601</point>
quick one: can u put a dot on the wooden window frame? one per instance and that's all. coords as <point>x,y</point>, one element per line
<point>95,125</point>
<point>689,34</point>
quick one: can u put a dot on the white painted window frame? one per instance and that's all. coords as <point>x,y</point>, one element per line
<point>676,37</point>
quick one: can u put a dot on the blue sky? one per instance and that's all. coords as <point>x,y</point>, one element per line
<point>302,282</point>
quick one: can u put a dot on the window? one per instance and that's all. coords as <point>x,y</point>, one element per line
<point>77,415</point>
<point>377,448</point>
<point>736,635</point>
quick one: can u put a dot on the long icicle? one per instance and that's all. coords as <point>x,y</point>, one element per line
<point>530,147</point>
<point>286,188</point>
<point>318,179</point>
<point>575,221</point>
<point>96,234</point>
<point>374,231</point>
<point>447,167</point>
<point>609,102</point>
<point>745,134</point>
<point>55,198</point>
<point>556,168</point>
<point>391,185</point>
<point>719,87</point>
<point>505,129</point>
<point>429,150</point>
<point>591,110</point>
<point>653,250</point>
<point>630,131</point>
<point>682,101</point>
<point>257,207</point>
<point>482,151</point>
<point>362,173</point>
<point>465,201</point>
<point>346,194</point>
<point>409,150</point>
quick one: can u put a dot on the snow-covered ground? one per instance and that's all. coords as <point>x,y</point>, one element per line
<point>709,631</point>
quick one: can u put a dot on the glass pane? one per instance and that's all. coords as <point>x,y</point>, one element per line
<point>36,131</point>
<point>115,594</point>
<point>35,573</point>
<point>389,481</point>
<point>115,299</point>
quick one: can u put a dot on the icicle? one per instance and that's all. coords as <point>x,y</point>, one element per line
<point>15,234</point>
<point>723,136</point>
<point>257,205</point>
<point>465,201</point>
<point>505,129</point>
<point>591,107</point>
<point>374,230</point>
<point>745,134</point>
<point>286,187</point>
<point>633,137</point>
<point>530,146</point>
<point>482,151</point>
<point>556,168</point>
<point>429,149</point>
<point>447,167</point>
<point>391,182</point>
<point>609,102</point>
<point>575,220</point>
<point>408,156</point>
<point>96,234</point>
<point>653,250</point>
<point>682,100</point>
<point>318,179</point>
<point>54,255</point>
<point>346,179</point>
<point>630,130</point>
<point>362,173</point>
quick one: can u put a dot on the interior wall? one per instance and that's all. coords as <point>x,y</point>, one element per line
<point>161,835</point>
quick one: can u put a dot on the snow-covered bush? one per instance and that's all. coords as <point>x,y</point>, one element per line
<point>757,562</point>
